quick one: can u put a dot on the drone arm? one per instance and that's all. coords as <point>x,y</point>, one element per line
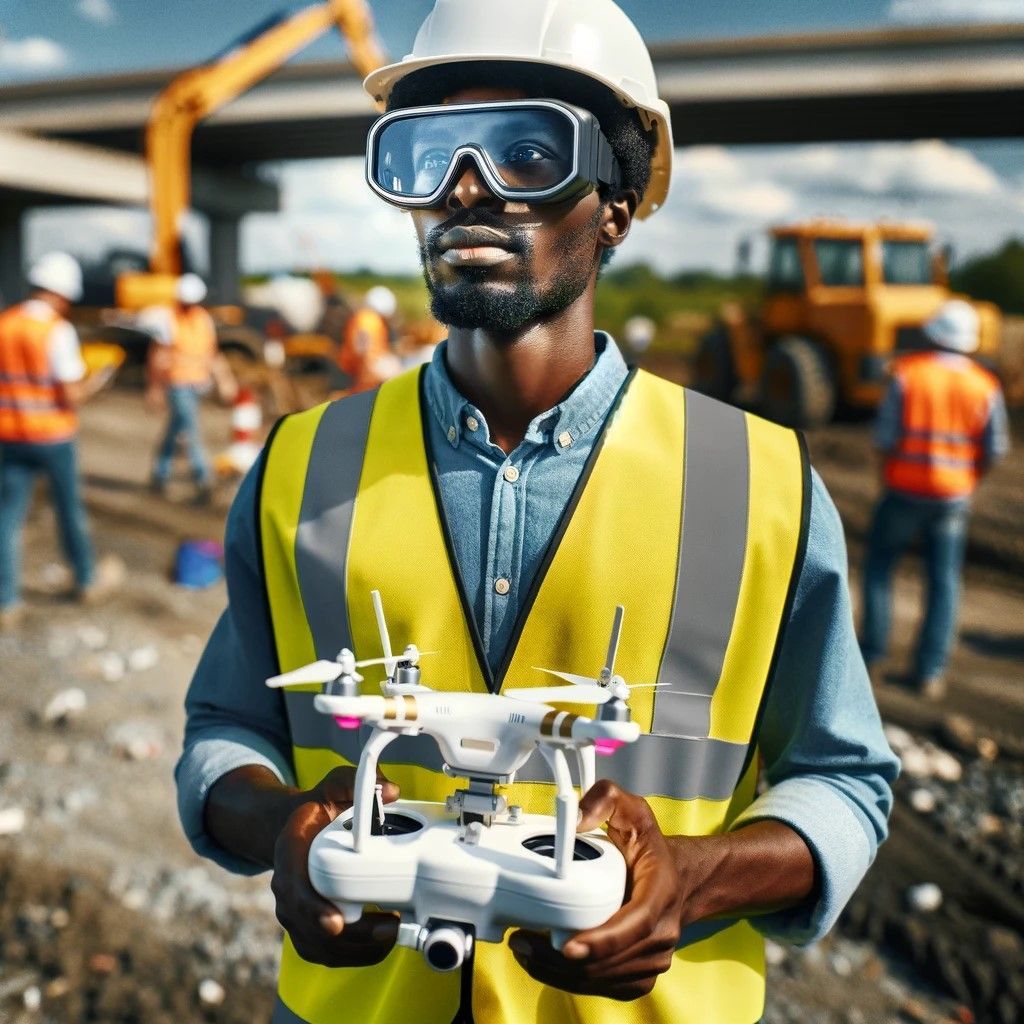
<point>566,808</point>
<point>586,760</point>
<point>366,779</point>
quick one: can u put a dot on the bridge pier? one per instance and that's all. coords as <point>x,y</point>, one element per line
<point>225,272</point>
<point>12,254</point>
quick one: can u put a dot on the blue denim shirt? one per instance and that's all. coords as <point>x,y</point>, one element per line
<point>826,762</point>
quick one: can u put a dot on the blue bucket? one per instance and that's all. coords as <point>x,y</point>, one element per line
<point>198,564</point>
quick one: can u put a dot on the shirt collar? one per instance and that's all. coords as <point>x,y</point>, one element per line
<point>561,426</point>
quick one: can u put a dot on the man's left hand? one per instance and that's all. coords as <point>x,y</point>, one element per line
<point>623,957</point>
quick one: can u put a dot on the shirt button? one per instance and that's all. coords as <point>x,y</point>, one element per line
<point>452,434</point>
<point>473,423</point>
<point>502,586</point>
<point>564,439</point>
<point>511,474</point>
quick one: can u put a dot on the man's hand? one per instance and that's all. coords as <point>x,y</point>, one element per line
<point>623,957</point>
<point>316,927</point>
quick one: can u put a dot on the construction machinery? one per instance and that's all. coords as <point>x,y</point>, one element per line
<point>193,95</point>
<point>840,300</point>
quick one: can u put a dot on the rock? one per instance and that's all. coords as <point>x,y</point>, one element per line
<point>899,739</point>
<point>924,898</point>
<point>840,965</point>
<point>143,658</point>
<point>111,666</point>
<point>922,800</point>
<point>58,988</point>
<point>103,963</point>
<point>914,1010</point>
<point>943,765</point>
<point>916,762</point>
<point>12,821</point>
<point>59,918</point>
<point>32,998</point>
<point>136,741</point>
<point>774,953</point>
<point>92,637</point>
<point>57,753</point>
<point>65,705</point>
<point>988,749</point>
<point>211,992</point>
<point>958,732</point>
<point>990,824</point>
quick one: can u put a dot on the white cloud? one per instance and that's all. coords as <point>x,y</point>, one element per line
<point>35,53</point>
<point>923,12</point>
<point>100,11</point>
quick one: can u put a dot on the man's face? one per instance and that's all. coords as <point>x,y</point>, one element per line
<point>499,266</point>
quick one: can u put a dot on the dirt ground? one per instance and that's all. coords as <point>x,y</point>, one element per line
<point>106,914</point>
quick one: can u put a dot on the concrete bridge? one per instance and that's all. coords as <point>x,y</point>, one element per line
<point>950,82</point>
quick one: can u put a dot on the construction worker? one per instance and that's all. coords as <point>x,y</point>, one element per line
<point>184,363</point>
<point>42,382</point>
<point>365,352</point>
<point>941,426</point>
<point>504,499</point>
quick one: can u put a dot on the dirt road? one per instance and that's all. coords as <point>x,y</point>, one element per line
<point>106,914</point>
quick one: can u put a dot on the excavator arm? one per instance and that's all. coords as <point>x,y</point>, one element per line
<point>201,91</point>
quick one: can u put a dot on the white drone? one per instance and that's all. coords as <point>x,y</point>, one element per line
<point>473,866</point>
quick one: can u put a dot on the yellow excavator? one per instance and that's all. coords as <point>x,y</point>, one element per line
<point>196,94</point>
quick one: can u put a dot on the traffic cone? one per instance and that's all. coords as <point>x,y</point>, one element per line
<point>245,447</point>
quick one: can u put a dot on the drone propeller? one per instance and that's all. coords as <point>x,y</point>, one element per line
<point>412,654</point>
<point>559,694</point>
<point>317,672</point>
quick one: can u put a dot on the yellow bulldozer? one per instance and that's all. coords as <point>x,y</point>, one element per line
<point>840,301</point>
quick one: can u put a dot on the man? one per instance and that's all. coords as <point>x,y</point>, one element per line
<point>183,364</point>
<point>365,354</point>
<point>504,500</point>
<point>42,383</point>
<point>941,426</point>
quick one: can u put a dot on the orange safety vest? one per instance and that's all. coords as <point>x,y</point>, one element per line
<point>31,410</point>
<point>946,405</point>
<point>357,357</point>
<point>193,347</point>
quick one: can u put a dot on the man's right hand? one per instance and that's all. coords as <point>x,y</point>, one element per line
<point>317,929</point>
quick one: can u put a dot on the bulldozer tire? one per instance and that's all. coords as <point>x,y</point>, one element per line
<point>798,388</point>
<point>714,373</point>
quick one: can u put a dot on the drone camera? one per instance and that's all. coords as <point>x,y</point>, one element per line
<point>446,947</point>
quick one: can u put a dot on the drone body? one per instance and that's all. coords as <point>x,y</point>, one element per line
<point>473,866</point>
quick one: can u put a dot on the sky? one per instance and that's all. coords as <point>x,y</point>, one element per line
<point>973,192</point>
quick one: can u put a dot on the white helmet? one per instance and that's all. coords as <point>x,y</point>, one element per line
<point>59,273</point>
<point>955,327</point>
<point>190,289</point>
<point>590,37</point>
<point>381,300</point>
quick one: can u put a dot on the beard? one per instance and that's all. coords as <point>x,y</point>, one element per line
<point>476,302</point>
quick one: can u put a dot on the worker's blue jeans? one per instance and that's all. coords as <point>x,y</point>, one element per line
<point>183,403</point>
<point>941,526</point>
<point>20,465</point>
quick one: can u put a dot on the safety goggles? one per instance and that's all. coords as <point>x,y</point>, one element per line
<point>532,151</point>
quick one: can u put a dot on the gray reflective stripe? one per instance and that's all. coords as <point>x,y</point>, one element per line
<point>40,405</point>
<point>25,378</point>
<point>325,519</point>
<point>935,460</point>
<point>282,1015</point>
<point>939,435</point>
<point>674,766</point>
<point>715,505</point>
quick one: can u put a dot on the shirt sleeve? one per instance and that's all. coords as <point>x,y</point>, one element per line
<point>826,760</point>
<point>232,718</point>
<point>890,415</point>
<point>66,362</point>
<point>995,440</point>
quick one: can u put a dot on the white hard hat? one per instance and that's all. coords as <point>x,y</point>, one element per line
<point>590,37</point>
<point>382,300</point>
<point>955,327</point>
<point>190,289</point>
<point>59,273</point>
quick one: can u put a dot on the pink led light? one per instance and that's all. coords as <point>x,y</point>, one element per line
<point>607,747</point>
<point>347,722</point>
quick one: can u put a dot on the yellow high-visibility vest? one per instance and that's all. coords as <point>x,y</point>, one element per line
<point>690,513</point>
